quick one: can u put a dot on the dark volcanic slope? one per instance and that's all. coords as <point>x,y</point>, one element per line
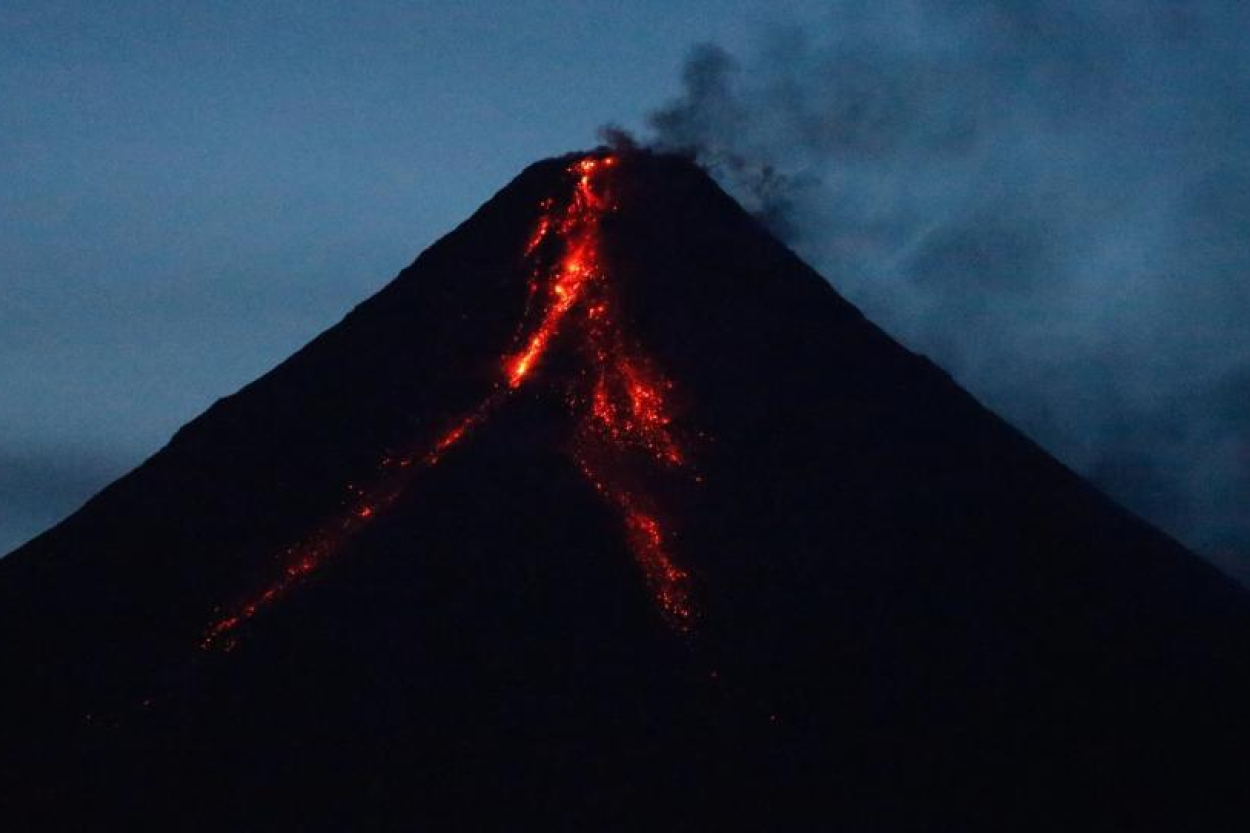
<point>910,617</point>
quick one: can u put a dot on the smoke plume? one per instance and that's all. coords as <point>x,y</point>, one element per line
<point>1050,198</point>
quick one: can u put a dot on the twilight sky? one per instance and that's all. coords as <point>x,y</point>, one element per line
<point>1052,198</point>
<point>189,192</point>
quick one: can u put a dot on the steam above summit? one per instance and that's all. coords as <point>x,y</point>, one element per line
<point>1048,198</point>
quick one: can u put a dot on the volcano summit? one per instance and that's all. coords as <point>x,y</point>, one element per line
<point>609,513</point>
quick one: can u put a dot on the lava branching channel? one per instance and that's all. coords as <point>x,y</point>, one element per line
<point>618,399</point>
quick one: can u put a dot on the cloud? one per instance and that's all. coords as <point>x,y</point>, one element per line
<point>1051,198</point>
<point>39,487</point>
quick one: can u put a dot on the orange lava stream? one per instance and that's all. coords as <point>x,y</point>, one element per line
<point>314,550</point>
<point>579,228</point>
<point>619,401</point>
<point>624,433</point>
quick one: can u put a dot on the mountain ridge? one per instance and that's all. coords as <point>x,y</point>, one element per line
<point>909,614</point>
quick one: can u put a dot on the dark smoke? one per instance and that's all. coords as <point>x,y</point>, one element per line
<point>1051,198</point>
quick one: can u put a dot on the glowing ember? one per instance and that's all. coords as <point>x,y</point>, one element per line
<point>578,226</point>
<point>669,583</point>
<point>307,556</point>
<point>618,399</point>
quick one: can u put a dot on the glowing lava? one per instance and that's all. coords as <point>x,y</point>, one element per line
<point>624,428</point>
<point>578,227</point>
<point>313,551</point>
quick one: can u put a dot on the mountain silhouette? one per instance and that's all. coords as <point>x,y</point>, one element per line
<point>609,513</point>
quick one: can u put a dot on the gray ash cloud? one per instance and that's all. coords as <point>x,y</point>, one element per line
<point>1052,199</point>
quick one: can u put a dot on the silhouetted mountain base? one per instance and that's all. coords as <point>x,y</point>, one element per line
<point>909,617</point>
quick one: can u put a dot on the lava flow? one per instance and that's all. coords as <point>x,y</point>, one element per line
<point>618,400</point>
<point>309,554</point>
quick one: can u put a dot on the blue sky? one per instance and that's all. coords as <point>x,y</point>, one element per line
<point>190,191</point>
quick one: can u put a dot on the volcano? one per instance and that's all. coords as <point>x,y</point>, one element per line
<point>609,513</point>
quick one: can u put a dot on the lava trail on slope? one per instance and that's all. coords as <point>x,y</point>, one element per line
<point>617,397</point>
